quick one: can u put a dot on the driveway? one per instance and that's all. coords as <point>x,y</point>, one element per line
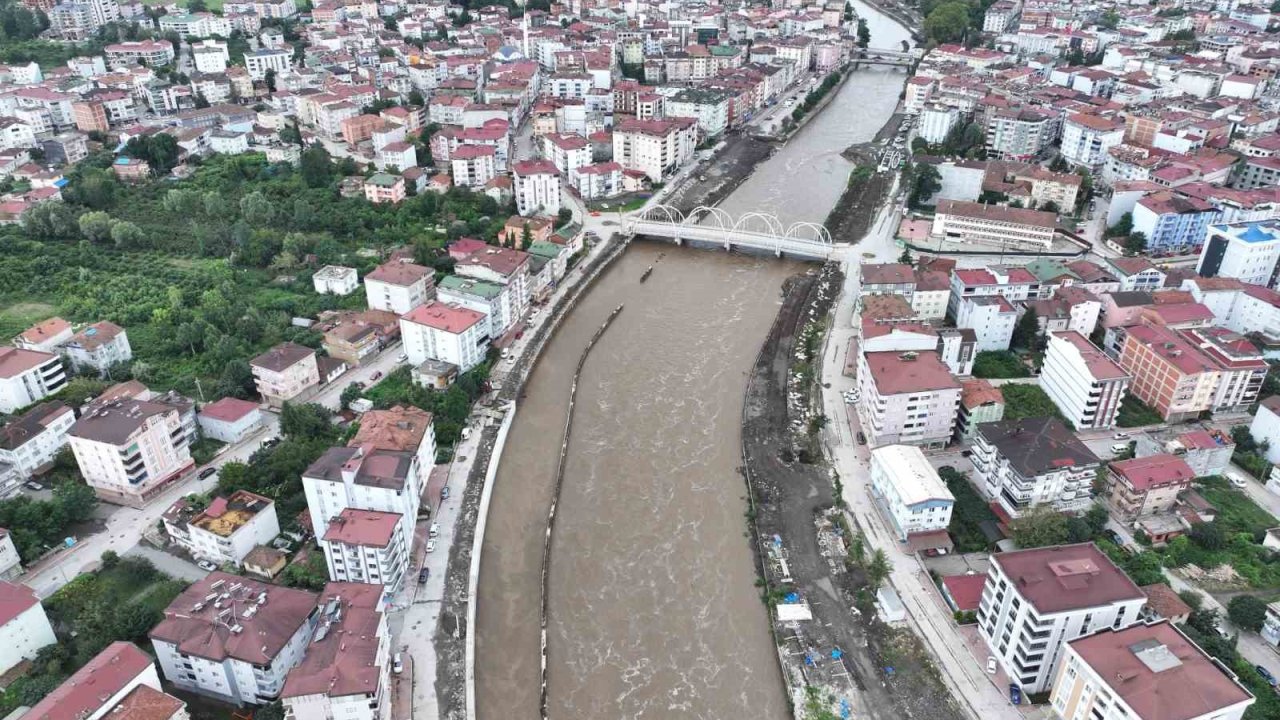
<point>168,564</point>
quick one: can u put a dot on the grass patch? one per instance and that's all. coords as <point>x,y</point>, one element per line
<point>999,364</point>
<point>21,315</point>
<point>1027,401</point>
<point>1234,538</point>
<point>968,514</point>
<point>1135,413</point>
<point>205,449</point>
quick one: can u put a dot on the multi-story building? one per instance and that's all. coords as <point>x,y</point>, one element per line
<point>1169,374</point>
<point>992,319</point>
<point>936,122</point>
<point>1173,223</point>
<point>1144,672</point>
<point>234,638</point>
<point>473,166</point>
<point>229,528</point>
<point>980,402</point>
<point>483,297</point>
<point>1147,485</point>
<point>120,682</point>
<point>260,61</point>
<point>10,561</point>
<point>30,442</point>
<point>907,397</point>
<point>98,347</point>
<point>1247,252</point>
<point>345,673</point>
<point>285,372</point>
<point>130,450</point>
<point>335,280</point>
<point>537,187</point>
<point>152,53</point>
<point>46,336</point>
<point>502,266</point>
<point>385,188</point>
<point>195,25</point>
<point>1137,274</point>
<point>1036,601</point>
<point>993,226</point>
<point>1021,464</point>
<point>912,496</point>
<point>28,376</point>
<point>24,628</point>
<point>1241,367</point>
<point>655,147</point>
<point>1086,139</point>
<point>449,333</point>
<point>365,546</point>
<point>1265,426</point>
<point>399,286</point>
<point>1085,384</point>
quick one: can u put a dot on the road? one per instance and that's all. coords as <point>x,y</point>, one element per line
<point>930,618</point>
<point>125,526</point>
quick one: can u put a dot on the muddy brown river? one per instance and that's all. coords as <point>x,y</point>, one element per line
<point>653,609</point>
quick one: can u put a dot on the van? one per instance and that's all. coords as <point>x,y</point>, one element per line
<point>434,531</point>
<point>1119,448</point>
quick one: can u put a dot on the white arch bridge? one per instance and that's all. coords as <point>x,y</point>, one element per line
<point>752,231</point>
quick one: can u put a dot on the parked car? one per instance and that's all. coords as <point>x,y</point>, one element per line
<point>207,472</point>
<point>1237,481</point>
<point>401,357</point>
<point>1114,537</point>
<point>206,566</point>
<point>33,485</point>
<point>1121,436</point>
<point>1015,694</point>
<point>376,376</point>
<point>444,493</point>
<point>423,575</point>
<point>991,665</point>
<point>431,545</point>
<point>397,665</point>
<point>270,442</point>
<point>1266,675</point>
<point>862,439</point>
<point>434,531</point>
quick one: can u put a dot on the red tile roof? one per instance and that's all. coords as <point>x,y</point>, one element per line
<point>15,599</point>
<point>146,703</point>
<point>1154,471</point>
<point>15,361</point>
<point>449,318</point>
<point>92,685</point>
<point>1066,577</point>
<point>368,528</point>
<point>228,409</point>
<point>343,660</point>
<point>898,372</point>
<point>42,331</point>
<point>965,590</point>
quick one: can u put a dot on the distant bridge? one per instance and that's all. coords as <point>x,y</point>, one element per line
<point>753,231</point>
<point>884,56</point>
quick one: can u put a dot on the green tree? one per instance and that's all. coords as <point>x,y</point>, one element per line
<point>1109,19</point>
<point>1123,226</point>
<point>1208,535</point>
<point>864,33</point>
<point>95,226</point>
<point>947,23</point>
<point>1039,526</point>
<point>350,393</point>
<point>1135,244</point>
<point>236,380</point>
<point>905,258</point>
<point>1027,329</point>
<point>1247,612</point>
<point>564,217</point>
<point>316,166</point>
<point>305,421</point>
<point>126,235</point>
<point>878,569</point>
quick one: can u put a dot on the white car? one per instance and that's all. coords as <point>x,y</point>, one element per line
<point>431,546</point>
<point>991,665</point>
<point>397,665</point>
<point>401,357</point>
<point>206,566</point>
<point>1121,436</point>
<point>1237,481</point>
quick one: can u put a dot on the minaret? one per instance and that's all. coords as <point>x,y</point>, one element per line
<point>525,26</point>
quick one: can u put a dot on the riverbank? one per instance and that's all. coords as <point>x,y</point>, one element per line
<point>454,636</point>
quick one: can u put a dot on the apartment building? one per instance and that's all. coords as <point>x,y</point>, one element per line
<point>473,166</point>
<point>1087,138</point>
<point>10,561</point>
<point>31,441</point>
<point>1014,284</point>
<point>399,286</point>
<point>345,673</point>
<point>335,280</point>
<point>907,397</point>
<point>229,528</point>
<point>1020,133</point>
<point>1173,223</point>
<point>46,336</point>
<point>1085,384</point>
<point>1240,364</point>
<point>1036,601</point>
<point>1021,464</point>
<point>119,683</point>
<point>993,226</point>
<point>234,638</point>
<point>385,188</point>
<point>486,298</point>
<point>655,147</point>
<point>1137,274</point>
<point>365,546</point>
<point>152,53</point>
<point>260,62</point>
<point>1247,252</point>
<point>98,347</point>
<point>909,491</point>
<point>130,450</point>
<point>449,333</point>
<point>285,372</point>
<point>24,627</point>
<point>1144,672</point>
<point>1147,485</point>
<point>1169,373</point>
<point>980,402</point>
<point>537,187</point>
<point>28,376</point>
<point>511,269</point>
<point>992,319</point>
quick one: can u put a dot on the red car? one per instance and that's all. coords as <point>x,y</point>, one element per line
<point>376,376</point>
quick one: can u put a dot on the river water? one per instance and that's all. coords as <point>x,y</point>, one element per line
<point>653,609</point>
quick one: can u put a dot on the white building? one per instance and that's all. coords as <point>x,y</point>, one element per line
<point>399,286</point>
<point>1034,461</point>
<point>119,683</point>
<point>502,266</point>
<point>449,333</point>
<point>32,442</point>
<point>259,62</point>
<point>24,628</point>
<point>907,397</point>
<point>365,546</point>
<point>936,122</point>
<point>473,166</point>
<point>28,376</point>
<point>1086,139</point>
<point>1035,601</point>
<point>229,420</point>
<point>1085,384</point>
<point>993,226</point>
<point>345,673</point>
<point>98,347</point>
<point>537,187</point>
<point>1144,672</point>
<point>335,280</point>
<point>46,336</point>
<point>130,450</point>
<point>992,319</point>
<point>1247,252</point>
<point>912,495</point>
<point>1265,427</point>
<point>234,638</point>
<point>210,56</point>
<point>285,372</point>
<point>10,561</point>
<point>231,527</point>
<point>655,147</point>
